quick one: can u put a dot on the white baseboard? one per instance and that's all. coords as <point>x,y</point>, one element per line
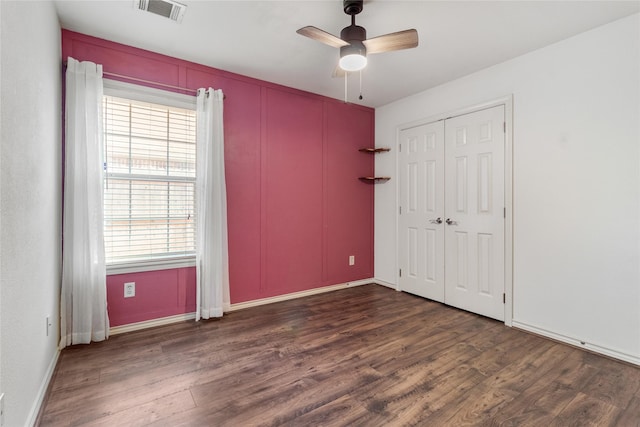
<point>301,294</point>
<point>387,284</point>
<point>635,360</point>
<point>42,392</point>
<point>130,327</point>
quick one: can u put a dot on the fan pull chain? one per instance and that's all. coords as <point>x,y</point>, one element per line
<point>345,87</point>
<point>360,97</point>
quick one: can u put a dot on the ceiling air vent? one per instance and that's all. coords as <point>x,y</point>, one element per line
<point>167,8</point>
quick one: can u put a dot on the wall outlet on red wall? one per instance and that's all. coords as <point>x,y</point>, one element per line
<point>130,289</point>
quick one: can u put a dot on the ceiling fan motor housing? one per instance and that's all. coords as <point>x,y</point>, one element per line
<point>353,33</point>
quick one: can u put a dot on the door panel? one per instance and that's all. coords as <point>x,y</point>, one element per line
<point>474,203</point>
<point>421,165</point>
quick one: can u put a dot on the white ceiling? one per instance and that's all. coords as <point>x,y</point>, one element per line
<point>258,38</point>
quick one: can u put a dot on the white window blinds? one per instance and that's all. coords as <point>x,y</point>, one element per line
<point>150,171</point>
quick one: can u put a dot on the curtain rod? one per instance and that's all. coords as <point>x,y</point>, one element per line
<point>186,89</point>
<point>122,76</point>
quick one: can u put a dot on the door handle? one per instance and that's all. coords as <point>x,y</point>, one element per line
<point>449,221</point>
<point>436,221</point>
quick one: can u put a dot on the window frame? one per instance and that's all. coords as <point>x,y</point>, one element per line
<point>156,96</point>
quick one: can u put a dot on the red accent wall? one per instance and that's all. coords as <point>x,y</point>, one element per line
<point>296,209</point>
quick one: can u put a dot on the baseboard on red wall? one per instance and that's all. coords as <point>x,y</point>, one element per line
<point>234,307</point>
<point>151,323</point>
<point>294,295</point>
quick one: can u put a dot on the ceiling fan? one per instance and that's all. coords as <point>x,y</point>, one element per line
<point>353,43</point>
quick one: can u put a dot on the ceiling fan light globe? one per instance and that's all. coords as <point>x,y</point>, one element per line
<point>353,62</point>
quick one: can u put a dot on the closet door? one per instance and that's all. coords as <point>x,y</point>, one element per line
<point>421,220</point>
<point>474,212</point>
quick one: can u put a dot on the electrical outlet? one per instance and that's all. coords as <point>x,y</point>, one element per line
<point>2,409</point>
<point>352,260</point>
<point>130,289</point>
<point>48,321</point>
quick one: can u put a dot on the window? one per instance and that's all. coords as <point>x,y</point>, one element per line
<point>149,186</point>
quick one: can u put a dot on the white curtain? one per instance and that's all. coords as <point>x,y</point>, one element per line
<point>83,304</point>
<point>212,265</point>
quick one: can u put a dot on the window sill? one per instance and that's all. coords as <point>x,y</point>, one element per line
<point>151,265</point>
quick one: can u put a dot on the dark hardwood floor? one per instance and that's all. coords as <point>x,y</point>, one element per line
<point>364,356</point>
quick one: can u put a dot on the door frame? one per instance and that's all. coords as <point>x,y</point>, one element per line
<point>507,102</point>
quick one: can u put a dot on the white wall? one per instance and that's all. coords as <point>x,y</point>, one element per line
<point>30,203</point>
<point>576,177</point>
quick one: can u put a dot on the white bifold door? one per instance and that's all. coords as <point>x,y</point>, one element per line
<point>422,211</point>
<point>452,211</point>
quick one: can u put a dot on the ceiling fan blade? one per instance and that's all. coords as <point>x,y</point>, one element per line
<point>395,41</point>
<point>322,36</point>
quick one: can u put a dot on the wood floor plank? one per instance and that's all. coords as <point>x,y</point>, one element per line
<point>417,348</point>
<point>527,369</point>
<point>363,356</point>
<point>506,347</point>
<point>532,417</point>
<point>631,416</point>
<point>616,385</point>
<point>413,402</point>
<point>345,410</point>
<point>77,378</point>
<point>550,393</point>
<point>585,410</point>
<point>297,398</point>
<point>483,404</point>
<point>147,413</point>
